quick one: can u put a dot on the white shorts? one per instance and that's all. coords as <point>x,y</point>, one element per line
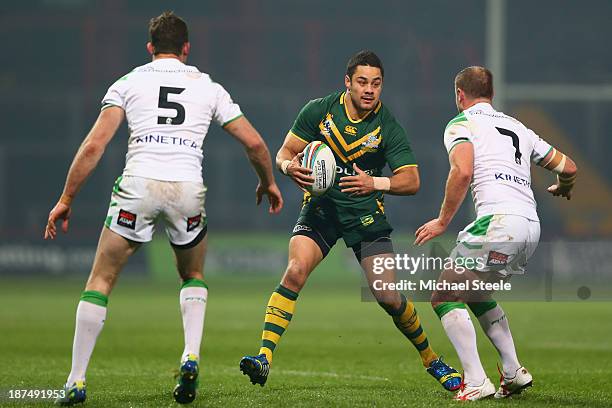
<point>498,243</point>
<point>138,204</point>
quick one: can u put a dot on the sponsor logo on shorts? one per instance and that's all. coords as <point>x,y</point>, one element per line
<point>126,219</point>
<point>497,259</point>
<point>301,227</point>
<point>367,220</point>
<point>193,222</point>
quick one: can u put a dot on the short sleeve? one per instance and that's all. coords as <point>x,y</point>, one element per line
<point>115,96</point>
<point>226,110</point>
<point>398,152</point>
<point>541,148</point>
<point>456,133</point>
<point>306,125</point>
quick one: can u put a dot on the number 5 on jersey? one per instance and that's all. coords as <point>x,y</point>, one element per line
<point>166,104</point>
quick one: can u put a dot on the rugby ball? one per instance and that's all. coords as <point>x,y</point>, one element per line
<point>320,159</point>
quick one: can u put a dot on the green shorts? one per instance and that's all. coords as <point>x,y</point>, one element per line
<point>325,222</point>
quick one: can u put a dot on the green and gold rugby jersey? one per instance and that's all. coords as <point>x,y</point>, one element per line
<point>372,143</point>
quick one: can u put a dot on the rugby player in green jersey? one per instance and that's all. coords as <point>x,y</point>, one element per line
<point>365,137</point>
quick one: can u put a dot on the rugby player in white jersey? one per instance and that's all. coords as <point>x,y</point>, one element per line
<point>492,152</point>
<point>169,107</point>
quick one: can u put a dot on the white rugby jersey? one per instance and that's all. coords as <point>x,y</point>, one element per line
<point>503,151</point>
<point>169,107</point>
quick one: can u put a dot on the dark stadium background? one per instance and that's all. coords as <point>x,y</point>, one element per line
<point>553,67</point>
<point>59,57</point>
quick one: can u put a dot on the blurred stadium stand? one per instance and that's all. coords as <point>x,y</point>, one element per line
<point>59,57</point>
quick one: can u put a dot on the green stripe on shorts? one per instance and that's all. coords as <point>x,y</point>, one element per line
<point>116,185</point>
<point>470,246</point>
<point>480,226</point>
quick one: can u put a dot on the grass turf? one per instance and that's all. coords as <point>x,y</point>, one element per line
<point>338,351</point>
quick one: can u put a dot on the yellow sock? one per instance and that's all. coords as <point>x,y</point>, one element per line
<point>407,321</point>
<point>278,315</point>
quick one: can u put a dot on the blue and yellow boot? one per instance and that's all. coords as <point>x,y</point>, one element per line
<point>187,382</point>
<point>73,394</point>
<point>446,375</point>
<point>256,367</point>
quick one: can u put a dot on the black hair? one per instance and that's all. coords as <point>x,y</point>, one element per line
<point>364,57</point>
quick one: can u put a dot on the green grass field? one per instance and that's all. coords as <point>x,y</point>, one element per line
<point>338,351</point>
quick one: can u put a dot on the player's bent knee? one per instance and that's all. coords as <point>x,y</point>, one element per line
<point>295,275</point>
<point>438,297</point>
<point>390,306</point>
<point>389,301</point>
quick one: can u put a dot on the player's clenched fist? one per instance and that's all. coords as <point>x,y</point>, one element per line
<point>61,211</point>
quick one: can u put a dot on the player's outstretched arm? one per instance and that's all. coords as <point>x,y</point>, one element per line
<point>259,156</point>
<point>289,161</point>
<point>461,160</point>
<point>85,161</point>
<point>566,171</point>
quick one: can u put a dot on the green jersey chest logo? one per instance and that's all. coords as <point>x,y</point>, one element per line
<point>348,151</point>
<point>350,130</point>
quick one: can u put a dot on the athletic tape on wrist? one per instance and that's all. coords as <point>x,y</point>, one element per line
<point>284,166</point>
<point>66,200</point>
<point>552,157</point>
<point>566,181</point>
<point>561,165</point>
<point>382,183</point>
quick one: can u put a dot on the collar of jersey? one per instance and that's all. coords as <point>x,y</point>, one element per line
<point>173,62</point>
<point>161,61</point>
<point>482,105</point>
<point>348,115</point>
